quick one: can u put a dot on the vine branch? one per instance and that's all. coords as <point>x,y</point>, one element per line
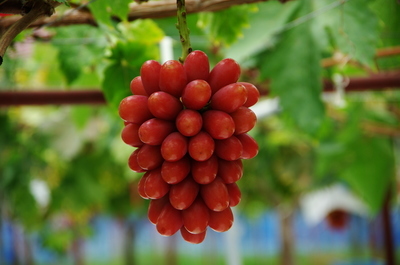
<point>183,30</point>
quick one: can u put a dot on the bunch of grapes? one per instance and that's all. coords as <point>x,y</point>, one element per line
<point>189,126</point>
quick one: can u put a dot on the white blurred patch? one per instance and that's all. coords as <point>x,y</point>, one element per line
<point>40,191</point>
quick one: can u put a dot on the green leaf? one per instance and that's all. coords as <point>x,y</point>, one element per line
<point>295,73</point>
<point>120,8</point>
<point>99,10</point>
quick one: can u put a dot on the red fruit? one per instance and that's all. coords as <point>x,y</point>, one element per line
<point>130,135</point>
<point>218,124</point>
<point>196,94</point>
<point>230,171</point>
<point>172,78</point>
<point>229,149</point>
<point>250,146</point>
<point>136,86</point>
<point>195,218</point>
<point>164,106</point>
<point>197,66</point>
<point>155,208</point>
<point>252,94</point>
<point>192,238</point>
<point>201,146</point>
<point>155,187</point>
<point>245,119</point>
<point>174,147</point>
<point>155,130</point>
<point>234,194</point>
<point>133,163</point>
<point>226,72</point>
<point>175,172</point>
<point>134,109</point>
<point>149,157</point>
<point>215,195</point>
<point>169,221</point>
<point>221,221</point>
<point>141,183</point>
<point>182,195</point>
<point>204,172</point>
<point>189,122</point>
<point>229,98</point>
<point>337,219</point>
<point>150,74</point>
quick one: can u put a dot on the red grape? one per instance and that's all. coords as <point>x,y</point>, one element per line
<point>234,194</point>
<point>230,171</point>
<point>141,183</point>
<point>182,195</point>
<point>164,106</point>
<point>195,218</point>
<point>155,130</point>
<point>155,208</point>
<point>189,122</point>
<point>204,172</point>
<point>229,149</point>
<point>226,72</point>
<point>169,221</point>
<point>130,135</point>
<point>149,157</point>
<point>245,119</point>
<point>250,146</point>
<point>150,73</point>
<point>197,66</point>
<point>174,172</point>
<point>252,94</point>
<point>192,238</point>
<point>196,94</point>
<point>133,162</point>
<point>174,147</point>
<point>134,109</point>
<point>136,86</point>
<point>215,195</point>
<point>172,78</point>
<point>201,146</point>
<point>155,187</point>
<point>229,98</point>
<point>221,221</point>
<point>218,124</point>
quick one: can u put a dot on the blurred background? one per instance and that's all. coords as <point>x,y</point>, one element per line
<point>324,188</point>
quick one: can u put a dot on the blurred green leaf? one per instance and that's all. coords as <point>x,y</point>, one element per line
<point>99,10</point>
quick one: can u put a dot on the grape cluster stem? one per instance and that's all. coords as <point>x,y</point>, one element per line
<point>183,30</point>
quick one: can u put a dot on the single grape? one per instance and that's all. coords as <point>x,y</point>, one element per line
<point>155,187</point>
<point>189,122</point>
<point>150,74</point>
<point>250,146</point>
<point>196,94</point>
<point>215,195</point>
<point>136,86</point>
<point>174,147</point>
<point>252,94</point>
<point>221,221</point>
<point>244,118</point>
<point>130,135</point>
<point>201,146</point>
<point>229,98</point>
<point>172,78</point>
<point>197,66</point>
<point>192,238</point>
<point>140,187</point>
<point>155,208</point>
<point>204,172</point>
<point>169,221</point>
<point>182,195</point>
<point>225,72</point>
<point>230,171</point>
<point>133,162</point>
<point>175,172</point>
<point>234,194</point>
<point>155,130</point>
<point>195,218</point>
<point>134,109</point>
<point>218,124</point>
<point>229,149</point>
<point>164,106</point>
<point>149,157</point>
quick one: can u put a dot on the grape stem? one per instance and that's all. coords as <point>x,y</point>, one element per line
<point>183,30</point>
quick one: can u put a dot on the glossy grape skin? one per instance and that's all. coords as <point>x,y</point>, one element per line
<point>164,106</point>
<point>130,135</point>
<point>175,172</point>
<point>201,146</point>
<point>136,86</point>
<point>230,171</point>
<point>215,195</point>
<point>133,163</point>
<point>204,172</point>
<point>150,74</point>
<point>229,149</point>
<point>225,72</point>
<point>235,194</point>
<point>250,146</point>
<point>149,157</point>
<point>221,221</point>
<point>172,78</point>
<point>155,187</point>
<point>155,208</point>
<point>169,221</point>
<point>189,122</point>
<point>182,195</point>
<point>229,98</point>
<point>155,130</point>
<point>197,66</point>
<point>134,109</point>
<point>192,238</point>
<point>174,147</point>
<point>245,120</point>
<point>218,124</point>
<point>252,94</point>
<point>141,184</point>
<point>196,94</point>
<point>195,218</point>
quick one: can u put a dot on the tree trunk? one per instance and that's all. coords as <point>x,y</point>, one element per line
<point>287,238</point>
<point>129,252</point>
<point>171,257</point>
<point>77,250</point>
<point>388,231</point>
<point>28,251</point>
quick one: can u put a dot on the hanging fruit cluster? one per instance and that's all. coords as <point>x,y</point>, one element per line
<point>190,126</point>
